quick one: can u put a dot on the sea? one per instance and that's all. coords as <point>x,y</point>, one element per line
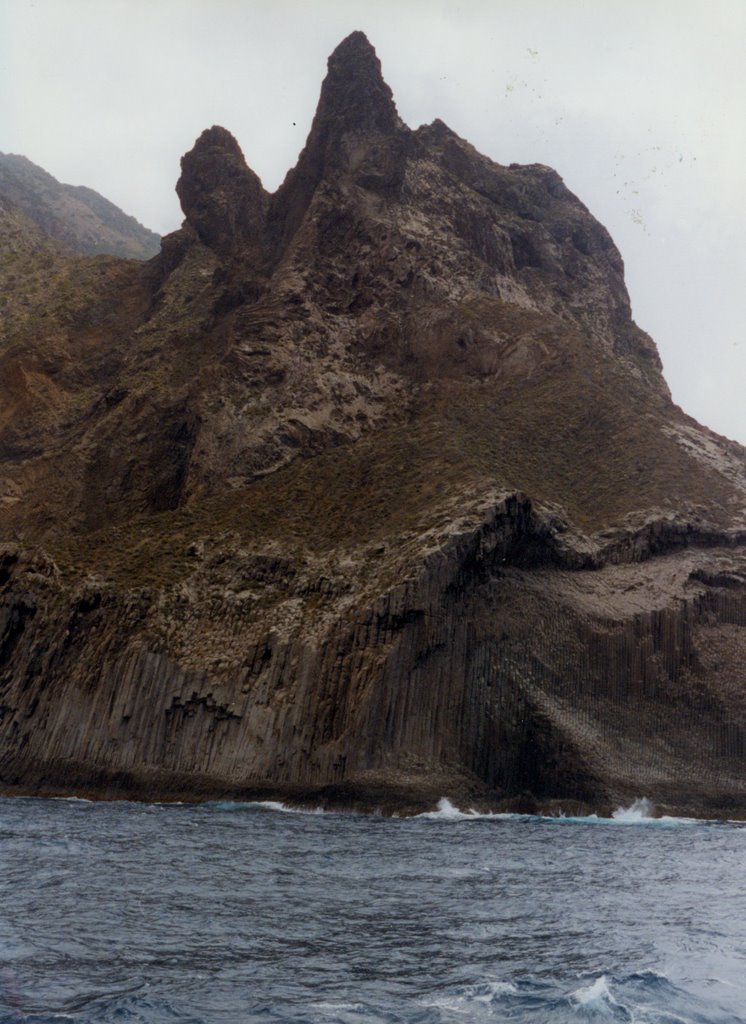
<point>230,913</point>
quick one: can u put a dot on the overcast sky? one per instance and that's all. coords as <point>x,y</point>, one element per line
<point>639,104</point>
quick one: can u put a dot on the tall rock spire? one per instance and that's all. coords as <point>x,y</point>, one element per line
<point>222,198</point>
<point>356,131</point>
<point>354,96</point>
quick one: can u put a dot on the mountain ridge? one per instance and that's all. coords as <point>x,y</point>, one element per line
<point>76,215</point>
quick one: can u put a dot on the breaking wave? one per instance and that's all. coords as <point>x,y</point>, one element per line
<point>260,805</point>
<point>640,812</point>
<point>646,997</point>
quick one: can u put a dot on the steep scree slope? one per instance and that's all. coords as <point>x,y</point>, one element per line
<point>367,491</point>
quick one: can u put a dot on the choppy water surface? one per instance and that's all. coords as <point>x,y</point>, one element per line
<point>119,912</point>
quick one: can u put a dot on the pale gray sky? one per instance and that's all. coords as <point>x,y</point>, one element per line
<point>639,104</point>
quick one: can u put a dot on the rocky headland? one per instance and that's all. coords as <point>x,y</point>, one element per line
<point>363,493</point>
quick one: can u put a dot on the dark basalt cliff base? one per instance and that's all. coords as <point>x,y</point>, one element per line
<point>501,675</point>
<point>362,494</point>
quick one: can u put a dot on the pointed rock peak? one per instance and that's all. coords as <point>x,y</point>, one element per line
<point>222,198</point>
<point>354,94</point>
<point>355,47</point>
<point>356,130</point>
<point>441,127</point>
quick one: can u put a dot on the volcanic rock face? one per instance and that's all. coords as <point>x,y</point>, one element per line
<point>367,491</point>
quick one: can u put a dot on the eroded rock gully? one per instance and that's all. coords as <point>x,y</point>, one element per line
<point>363,493</point>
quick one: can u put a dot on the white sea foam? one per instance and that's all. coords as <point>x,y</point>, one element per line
<point>445,810</point>
<point>594,998</point>
<point>496,989</point>
<point>640,810</point>
<point>448,812</point>
<point>261,805</point>
<point>270,805</point>
<point>486,992</point>
<point>276,805</point>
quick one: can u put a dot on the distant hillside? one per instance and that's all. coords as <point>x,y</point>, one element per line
<point>74,214</point>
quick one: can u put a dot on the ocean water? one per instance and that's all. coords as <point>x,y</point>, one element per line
<point>233,914</point>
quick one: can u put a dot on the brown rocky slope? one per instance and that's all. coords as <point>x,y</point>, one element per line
<point>368,492</point>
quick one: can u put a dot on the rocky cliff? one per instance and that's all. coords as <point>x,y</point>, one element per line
<point>73,214</point>
<point>369,491</point>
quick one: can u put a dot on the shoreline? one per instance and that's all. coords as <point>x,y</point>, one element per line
<point>371,801</point>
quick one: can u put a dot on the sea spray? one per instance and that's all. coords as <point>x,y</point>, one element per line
<point>640,812</point>
<point>596,998</point>
<point>641,809</point>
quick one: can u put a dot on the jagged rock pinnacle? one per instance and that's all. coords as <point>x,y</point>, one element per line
<point>356,130</point>
<point>354,94</point>
<point>222,198</point>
